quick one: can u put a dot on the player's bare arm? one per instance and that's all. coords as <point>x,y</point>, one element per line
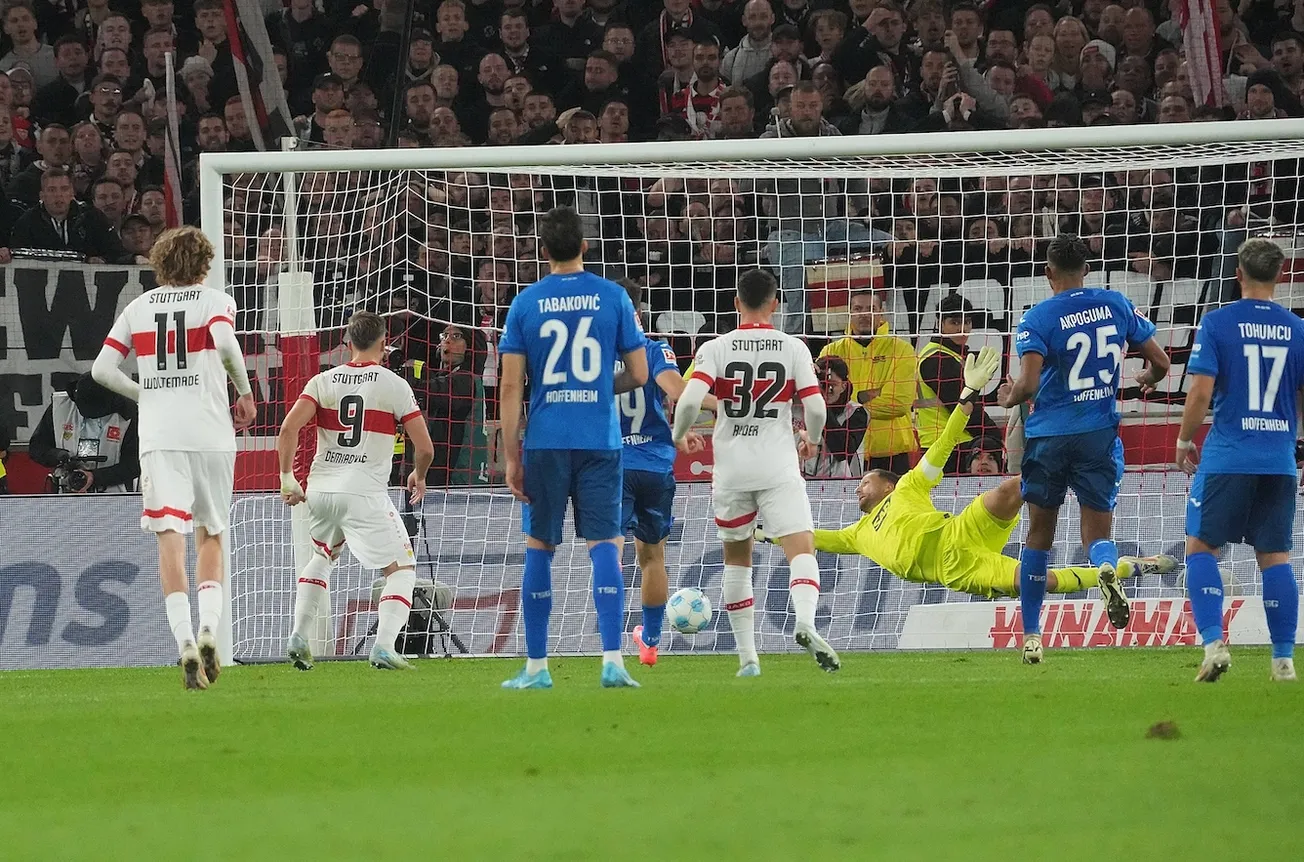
<point>287,441</point>
<point>1199,394</point>
<point>634,374</point>
<point>1157,364</point>
<point>511,388</point>
<point>423,450</point>
<point>1015,391</point>
<point>672,383</point>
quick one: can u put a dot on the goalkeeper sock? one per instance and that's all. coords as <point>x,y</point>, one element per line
<point>395,606</point>
<point>1032,588</point>
<point>178,608</point>
<point>1281,607</point>
<point>1103,551</point>
<point>608,596</point>
<point>536,606</point>
<point>209,599</point>
<point>653,617</point>
<point>1073,579</point>
<point>804,587</point>
<point>1206,590</point>
<point>314,584</point>
<point>738,601</point>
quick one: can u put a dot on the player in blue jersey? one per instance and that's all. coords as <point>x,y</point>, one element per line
<point>566,332</point>
<point>1248,359</point>
<point>1071,350</point>
<point>649,484</point>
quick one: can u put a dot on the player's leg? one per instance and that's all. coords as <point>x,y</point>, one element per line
<point>652,597</point>
<point>595,494</point>
<point>786,511</point>
<point>324,515</point>
<point>1043,486</point>
<point>213,474</point>
<point>167,500</point>
<point>1096,477</point>
<point>547,484</point>
<point>1214,516</point>
<point>378,538</point>
<point>649,501</point>
<point>1272,516</point>
<point>735,521</point>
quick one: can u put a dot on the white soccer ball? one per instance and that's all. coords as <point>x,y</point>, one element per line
<point>689,611</point>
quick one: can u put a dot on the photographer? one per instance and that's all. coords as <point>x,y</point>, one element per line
<point>88,439</point>
<point>839,457</point>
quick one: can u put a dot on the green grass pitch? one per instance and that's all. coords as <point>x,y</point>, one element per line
<point>965,756</point>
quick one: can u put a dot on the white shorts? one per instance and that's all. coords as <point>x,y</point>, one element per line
<point>368,523</point>
<point>184,490</point>
<point>782,510</point>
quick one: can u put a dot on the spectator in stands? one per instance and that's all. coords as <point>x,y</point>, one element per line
<point>539,112</point>
<point>12,157</point>
<point>55,149</point>
<point>345,59</point>
<point>676,16</point>
<point>828,27</point>
<point>874,106</point>
<point>1096,67</point>
<point>137,236</point>
<point>884,378</point>
<point>941,377</point>
<point>844,431</point>
<point>129,136</point>
<point>966,25</point>
<point>599,83</point>
<point>152,206</point>
<point>239,138</point>
<point>737,117</point>
<point>699,102</point>
<point>572,33</point>
<point>25,46</point>
<point>679,67</point>
<point>306,35</point>
<point>197,76</point>
<point>106,101</point>
<point>750,56</point>
<point>327,96</point>
<point>539,64</point>
<point>613,122</point>
<point>49,224</point>
<point>56,102</point>
<point>985,456</point>
<point>1001,46</point>
<point>1288,60</point>
<point>338,131</point>
<point>880,41</point>
<point>450,396</point>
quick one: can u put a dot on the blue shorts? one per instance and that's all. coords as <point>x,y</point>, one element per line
<point>588,478</point>
<point>648,501</point>
<point>1090,463</point>
<point>1236,507</point>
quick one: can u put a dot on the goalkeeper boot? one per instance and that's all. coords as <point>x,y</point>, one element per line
<point>748,670</point>
<point>1283,670</point>
<point>646,654</point>
<point>1111,590</point>
<point>525,679</point>
<point>1158,564</point>
<point>615,676</point>
<point>1217,661</point>
<point>208,654</point>
<point>384,658</point>
<point>1032,649</point>
<point>299,653</point>
<point>819,649</point>
<point>192,669</point>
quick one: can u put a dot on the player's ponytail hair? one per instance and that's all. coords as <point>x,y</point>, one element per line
<point>181,257</point>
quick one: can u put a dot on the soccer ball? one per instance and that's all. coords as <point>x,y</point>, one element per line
<point>689,611</point>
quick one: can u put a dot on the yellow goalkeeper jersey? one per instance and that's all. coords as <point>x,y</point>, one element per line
<point>901,532</point>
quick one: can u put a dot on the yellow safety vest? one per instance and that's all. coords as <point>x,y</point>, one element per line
<point>931,420</point>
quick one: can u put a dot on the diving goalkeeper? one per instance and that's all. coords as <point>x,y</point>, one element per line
<point>904,533</point>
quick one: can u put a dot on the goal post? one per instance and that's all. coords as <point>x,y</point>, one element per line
<point>440,240</point>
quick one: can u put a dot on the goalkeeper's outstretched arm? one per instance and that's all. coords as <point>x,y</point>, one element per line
<point>978,371</point>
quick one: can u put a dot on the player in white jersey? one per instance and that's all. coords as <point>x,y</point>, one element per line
<point>357,407</point>
<point>183,335</point>
<point>755,371</point>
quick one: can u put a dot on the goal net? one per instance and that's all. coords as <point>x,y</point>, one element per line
<point>894,254</point>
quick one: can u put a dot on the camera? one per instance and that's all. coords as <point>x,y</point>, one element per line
<point>69,476</point>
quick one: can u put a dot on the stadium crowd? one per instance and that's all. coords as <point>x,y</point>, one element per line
<point>83,121</point>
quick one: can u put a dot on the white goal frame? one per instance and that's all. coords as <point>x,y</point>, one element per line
<point>929,150</point>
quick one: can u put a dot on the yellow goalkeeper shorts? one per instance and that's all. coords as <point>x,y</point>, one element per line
<point>969,553</point>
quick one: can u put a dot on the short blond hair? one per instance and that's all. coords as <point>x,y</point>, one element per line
<point>181,257</point>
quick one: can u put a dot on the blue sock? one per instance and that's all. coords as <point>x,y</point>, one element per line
<point>536,600</point>
<point>653,616</point>
<point>1281,607</point>
<point>1205,587</point>
<point>608,593</point>
<point>1103,551</point>
<point>1032,587</point>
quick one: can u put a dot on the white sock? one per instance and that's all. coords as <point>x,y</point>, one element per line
<point>804,587</point>
<point>741,606</point>
<point>209,599</point>
<point>178,608</point>
<point>613,656</point>
<point>314,583</point>
<point>395,606</point>
<point>534,665</point>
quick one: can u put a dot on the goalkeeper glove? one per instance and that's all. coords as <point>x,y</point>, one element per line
<point>978,371</point>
